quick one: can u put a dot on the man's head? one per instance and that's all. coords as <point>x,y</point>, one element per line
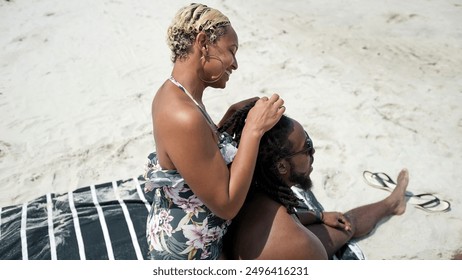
<point>295,168</point>
<point>285,158</point>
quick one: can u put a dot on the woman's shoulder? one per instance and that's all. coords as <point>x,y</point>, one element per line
<point>170,107</point>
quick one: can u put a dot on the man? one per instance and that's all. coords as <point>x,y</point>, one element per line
<point>274,224</point>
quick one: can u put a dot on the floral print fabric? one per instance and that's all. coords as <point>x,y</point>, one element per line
<point>179,225</point>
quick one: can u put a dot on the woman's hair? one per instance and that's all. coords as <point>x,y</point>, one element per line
<point>188,22</point>
<point>274,145</point>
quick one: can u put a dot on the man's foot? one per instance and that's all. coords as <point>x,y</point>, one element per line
<point>397,198</point>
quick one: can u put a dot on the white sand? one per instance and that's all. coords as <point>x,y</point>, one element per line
<point>377,84</point>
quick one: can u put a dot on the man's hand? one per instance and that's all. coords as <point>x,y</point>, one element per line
<point>336,220</point>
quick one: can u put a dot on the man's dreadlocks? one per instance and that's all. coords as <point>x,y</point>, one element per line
<point>274,145</point>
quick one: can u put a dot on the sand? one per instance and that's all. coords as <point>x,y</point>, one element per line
<point>377,84</point>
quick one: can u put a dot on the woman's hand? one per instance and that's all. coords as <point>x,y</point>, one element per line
<point>266,113</point>
<point>336,220</point>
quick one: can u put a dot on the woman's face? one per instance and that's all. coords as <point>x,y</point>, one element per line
<point>223,50</point>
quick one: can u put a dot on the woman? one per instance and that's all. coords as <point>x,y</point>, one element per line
<point>197,189</point>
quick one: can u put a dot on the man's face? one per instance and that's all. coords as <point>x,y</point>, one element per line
<point>301,159</point>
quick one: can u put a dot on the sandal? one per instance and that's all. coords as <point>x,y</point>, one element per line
<point>381,181</point>
<point>434,204</point>
<point>425,201</point>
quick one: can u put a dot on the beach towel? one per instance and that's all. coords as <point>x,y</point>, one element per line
<point>98,222</point>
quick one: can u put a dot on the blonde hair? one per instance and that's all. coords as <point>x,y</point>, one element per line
<point>188,22</point>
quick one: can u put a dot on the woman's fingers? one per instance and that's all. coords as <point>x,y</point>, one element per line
<point>275,101</point>
<point>266,112</point>
<point>275,97</point>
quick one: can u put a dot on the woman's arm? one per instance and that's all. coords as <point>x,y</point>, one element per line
<point>191,147</point>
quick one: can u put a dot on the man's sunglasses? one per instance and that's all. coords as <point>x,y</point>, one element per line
<point>308,149</point>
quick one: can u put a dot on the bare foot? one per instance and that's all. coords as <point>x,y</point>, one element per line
<point>397,198</point>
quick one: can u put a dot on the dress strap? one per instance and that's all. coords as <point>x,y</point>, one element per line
<point>202,110</point>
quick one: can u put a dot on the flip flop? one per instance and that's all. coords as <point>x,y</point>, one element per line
<point>425,201</point>
<point>381,181</point>
<point>433,204</point>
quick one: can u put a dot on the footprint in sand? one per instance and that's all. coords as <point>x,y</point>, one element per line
<point>336,183</point>
<point>398,18</point>
<point>4,148</point>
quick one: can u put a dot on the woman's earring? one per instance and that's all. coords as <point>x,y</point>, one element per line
<point>214,78</point>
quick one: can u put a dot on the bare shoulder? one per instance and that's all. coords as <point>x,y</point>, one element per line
<point>252,228</point>
<point>300,243</point>
<point>181,134</point>
<point>172,110</point>
<point>270,232</point>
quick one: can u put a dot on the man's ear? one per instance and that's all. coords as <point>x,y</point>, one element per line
<point>282,167</point>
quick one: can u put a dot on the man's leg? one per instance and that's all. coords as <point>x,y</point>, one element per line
<point>364,218</point>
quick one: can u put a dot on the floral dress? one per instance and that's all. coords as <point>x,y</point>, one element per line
<point>179,225</point>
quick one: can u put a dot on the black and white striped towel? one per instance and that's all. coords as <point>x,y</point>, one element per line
<point>97,222</point>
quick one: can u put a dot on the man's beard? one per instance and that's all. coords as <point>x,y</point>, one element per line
<point>302,179</point>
